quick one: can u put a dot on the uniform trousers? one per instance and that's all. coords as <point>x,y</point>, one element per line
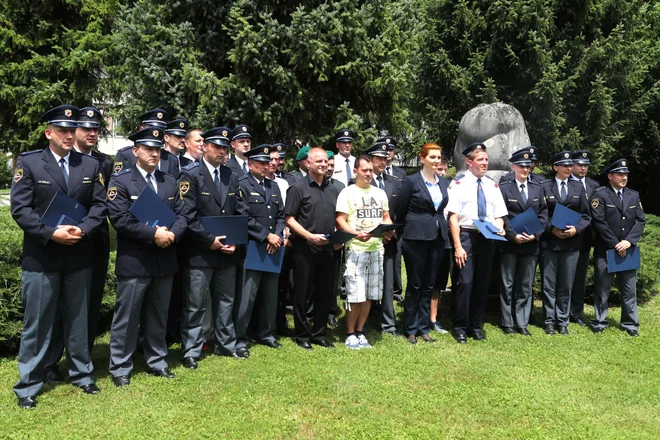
<point>398,285</point>
<point>43,293</point>
<point>312,283</point>
<point>626,281</point>
<point>260,289</point>
<point>558,277</point>
<point>517,278</point>
<point>422,259</point>
<point>199,283</point>
<point>141,302</point>
<point>579,285</point>
<point>470,284</point>
<point>388,319</point>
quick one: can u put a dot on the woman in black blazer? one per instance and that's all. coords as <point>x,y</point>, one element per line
<point>419,207</point>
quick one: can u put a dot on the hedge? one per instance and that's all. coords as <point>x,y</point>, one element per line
<point>11,313</point>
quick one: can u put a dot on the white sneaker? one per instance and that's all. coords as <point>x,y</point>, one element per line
<point>363,341</point>
<point>352,342</point>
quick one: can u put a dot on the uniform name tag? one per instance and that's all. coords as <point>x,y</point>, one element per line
<point>204,193</point>
<point>632,206</point>
<point>170,198</point>
<point>551,197</point>
<point>231,194</point>
<point>44,182</point>
<point>255,194</point>
<point>576,197</point>
<point>134,197</point>
<point>611,206</point>
<point>513,200</point>
<point>535,200</point>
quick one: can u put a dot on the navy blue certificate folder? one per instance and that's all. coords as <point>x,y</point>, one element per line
<point>339,237</point>
<point>258,258</point>
<point>488,230</point>
<point>631,261</point>
<point>234,227</point>
<point>564,217</point>
<point>527,222</point>
<point>63,210</point>
<point>150,210</point>
<point>378,230</point>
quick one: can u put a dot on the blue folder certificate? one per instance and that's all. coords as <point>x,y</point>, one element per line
<point>564,217</point>
<point>527,222</point>
<point>631,261</point>
<point>150,210</point>
<point>63,210</point>
<point>258,258</point>
<point>488,230</point>
<point>234,227</point>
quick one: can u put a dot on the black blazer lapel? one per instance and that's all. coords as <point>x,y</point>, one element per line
<point>53,169</point>
<point>75,171</point>
<point>421,183</point>
<point>160,182</point>
<point>138,180</point>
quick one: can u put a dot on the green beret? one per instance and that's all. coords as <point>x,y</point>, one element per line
<point>330,154</point>
<point>302,153</point>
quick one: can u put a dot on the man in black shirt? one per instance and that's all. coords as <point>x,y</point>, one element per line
<point>310,214</point>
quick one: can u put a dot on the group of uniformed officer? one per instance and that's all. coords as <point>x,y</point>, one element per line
<point>64,267</point>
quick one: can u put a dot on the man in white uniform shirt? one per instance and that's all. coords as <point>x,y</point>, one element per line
<point>344,161</point>
<point>473,195</point>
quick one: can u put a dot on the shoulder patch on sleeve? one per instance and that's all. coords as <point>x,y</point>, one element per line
<point>118,166</point>
<point>594,203</point>
<point>190,166</point>
<point>18,175</point>
<point>112,193</point>
<point>184,187</point>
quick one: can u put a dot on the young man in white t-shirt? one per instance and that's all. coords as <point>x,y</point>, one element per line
<point>361,208</point>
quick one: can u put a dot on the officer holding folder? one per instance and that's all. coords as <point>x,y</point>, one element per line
<point>57,260</point>
<point>519,255</point>
<point>209,189</point>
<point>561,244</point>
<point>146,256</point>
<point>618,219</point>
<point>265,209</point>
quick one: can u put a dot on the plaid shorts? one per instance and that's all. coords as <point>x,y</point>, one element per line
<point>363,276</point>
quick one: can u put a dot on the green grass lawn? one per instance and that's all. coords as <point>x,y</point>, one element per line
<point>510,387</point>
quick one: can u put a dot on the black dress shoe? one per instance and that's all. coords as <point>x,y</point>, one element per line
<point>563,329</point>
<point>478,335</point>
<point>243,351</point>
<point>165,372</point>
<point>460,337</point>
<point>304,344</point>
<point>272,344</point>
<point>54,376</point>
<point>633,333</point>
<point>549,329</point>
<point>412,339</point>
<point>323,343</point>
<point>121,381</point>
<point>597,329</point>
<point>332,322</point>
<point>90,388</point>
<point>508,331</point>
<point>427,338</point>
<point>28,402</point>
<point>190,363</point>
<point>524,332</point>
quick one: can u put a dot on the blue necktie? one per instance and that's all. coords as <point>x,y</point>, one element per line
<point>563,193</point>
<point>481,201</point>
<point>64,173</point>
<point>348,171</point>
<point>150,183</point>
<point>522,194</point>
<point>380,182</point>
<point>244,168</point>
<point>620,194</point>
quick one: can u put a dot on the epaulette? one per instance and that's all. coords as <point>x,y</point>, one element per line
<point>122,172</point>
<point>510,182</point>
<point>97,153</point>
<point>190,166</point>
<point>459,177</point>
<point>129,147</point>
<point>163,150</point>
<point>489,177</point>
<point>395,177</point>
<point>600,188</point>
<point>631,190</point>
<point>530,182</point>
<point>27,153</point>
<point>242,177</point>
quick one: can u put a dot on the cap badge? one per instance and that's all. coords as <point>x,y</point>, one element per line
<point>279,148</point>
<point>623,163</point>
<point>384,147</point>
<point>67,113</point>
<point>224,133</point>
<point>159,115</point>
<point>345,133</point>
<point>566,155</point>
<point>155,133</point>
<point>387,141</point>
<point>90,113</point>
<point>526,156</point>
<point>531,150</point>
<point>266,150</point>
<point>244,129</point>
<point>182,124</point>
<point>584,154</point>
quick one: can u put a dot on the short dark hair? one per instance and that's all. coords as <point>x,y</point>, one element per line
<point>361,159</point>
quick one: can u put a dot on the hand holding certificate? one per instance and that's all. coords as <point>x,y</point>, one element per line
<point>489,230</point>
<point>151,210</point>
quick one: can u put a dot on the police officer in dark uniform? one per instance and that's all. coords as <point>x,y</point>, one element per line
<point>167,164</point>
<point>619,221</point>
<point>265,226</point>
<point>209,188</point>
<point>241,143</point>
<point>390,185</point>
<point>533,177</point>
<point>280,161</point>
<point>175,141</point>
<point>561,248</point>
<point>146,260</point>
<point>56,262</point>
<point>580,168</point>
<point>520,253</point>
